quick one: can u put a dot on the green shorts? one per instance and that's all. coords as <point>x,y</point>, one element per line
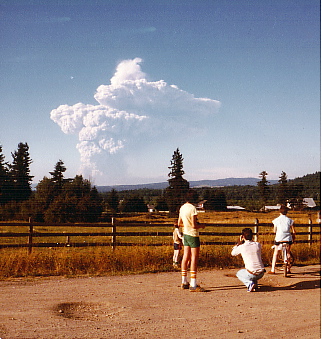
<point>190,241</point>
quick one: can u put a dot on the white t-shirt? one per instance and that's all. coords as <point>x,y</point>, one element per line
<point>251,252</point>
<point>177,237</point>
<point>283,228</point>
<point>186,213</point>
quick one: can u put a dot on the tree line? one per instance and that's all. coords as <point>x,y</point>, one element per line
<point>250,197</point>
<point>60,199</point>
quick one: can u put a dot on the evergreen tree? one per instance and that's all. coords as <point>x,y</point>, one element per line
<point>216,200</point>
<point>45,192</point>
<point>161,204</point>
<point>176,168</point>
<point>178,186</point>
<point>311,185</point>
<point>20,173</point>
<point>4,180</point>
<point>58,174</point>
<point>77,202</point>
<point>296,196</point>
<point>134,204</point>
<point>113,201</point>
<point>62,210</point>
<point>282,189</point>
<point>78,187</point>
<point>89,208</point>
<point>263,187</point>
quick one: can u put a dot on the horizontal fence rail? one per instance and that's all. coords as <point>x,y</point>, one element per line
<point>39,230</point>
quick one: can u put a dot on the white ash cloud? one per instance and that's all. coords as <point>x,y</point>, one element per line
<point>132,111</point>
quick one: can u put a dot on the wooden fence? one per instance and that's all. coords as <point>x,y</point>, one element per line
<point>262,232</point>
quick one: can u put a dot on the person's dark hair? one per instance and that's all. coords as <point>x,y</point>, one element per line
<point>247,233</point>
<point>283,209</point>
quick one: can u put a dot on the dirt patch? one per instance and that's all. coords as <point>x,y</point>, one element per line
<point>77,310</point>
<point>154,306</point>
<point>86,311</point>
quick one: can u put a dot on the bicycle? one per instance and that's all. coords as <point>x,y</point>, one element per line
<point>284,248</point>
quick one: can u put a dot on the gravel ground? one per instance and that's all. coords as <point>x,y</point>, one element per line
<point>154,306</point>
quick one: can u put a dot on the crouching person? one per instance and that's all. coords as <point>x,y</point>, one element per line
<point>251,252</point>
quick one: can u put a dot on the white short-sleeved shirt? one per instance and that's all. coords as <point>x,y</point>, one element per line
<point>251,252</point>
<point>283,228</point>
<point>177,236</point>
<point>186,213</point>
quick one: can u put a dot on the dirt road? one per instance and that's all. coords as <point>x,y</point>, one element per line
<point>153,306</point>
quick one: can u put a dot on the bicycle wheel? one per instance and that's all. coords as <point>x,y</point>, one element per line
<point>285,261</point>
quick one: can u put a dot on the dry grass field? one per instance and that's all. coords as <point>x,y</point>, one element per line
<point>100,261</point>
<point>240,217</point>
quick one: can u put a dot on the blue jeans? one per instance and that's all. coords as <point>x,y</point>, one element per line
<point>247,278</point>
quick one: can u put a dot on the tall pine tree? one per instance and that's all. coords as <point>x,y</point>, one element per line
<point>20,173</point>
<point>263,187</point>
<point>58,174</point>
<point>48,189</point>
<point>282,189</point>
<point>178,186</point>
<point>4,180</point>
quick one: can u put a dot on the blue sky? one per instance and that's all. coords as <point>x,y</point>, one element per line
<point>112,88</point>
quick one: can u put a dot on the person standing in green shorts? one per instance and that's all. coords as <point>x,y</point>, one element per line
<point>191,243</point>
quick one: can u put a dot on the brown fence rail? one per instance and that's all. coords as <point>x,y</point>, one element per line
<point>262,232</point>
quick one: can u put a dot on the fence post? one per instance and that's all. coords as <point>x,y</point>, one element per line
<point>31,231</point>
<point>67,240</point>
<point>113,235</point>
<point>310,231</point>
<point>256,230</point>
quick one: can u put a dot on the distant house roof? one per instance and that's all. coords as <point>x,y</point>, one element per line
<point>151,208</point>
<point>200,204</point>
<point>235,208</point>
<point>270,208</point>
<point>309,202</point>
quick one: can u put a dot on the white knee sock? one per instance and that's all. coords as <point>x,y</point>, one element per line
<point>193,279</point>
<point>184,276</point>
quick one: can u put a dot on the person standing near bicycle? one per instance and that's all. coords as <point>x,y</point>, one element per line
<point>284,233</point>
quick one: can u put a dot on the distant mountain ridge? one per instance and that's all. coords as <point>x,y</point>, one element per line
<point>199,183</point>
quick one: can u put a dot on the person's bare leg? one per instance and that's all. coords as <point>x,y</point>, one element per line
<point>274,259</point>
<point>175,256</point>
<point>193,266</point>
<point>288,255</point>
<point>184,264</point>
<point>194,258</point>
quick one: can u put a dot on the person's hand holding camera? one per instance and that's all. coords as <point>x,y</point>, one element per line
<point>241,240</point>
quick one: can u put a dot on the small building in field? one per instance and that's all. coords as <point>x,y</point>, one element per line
<point>200,205</point>
<point>151,208</point>
<point>270,208</point>
<point>309,202</point>
<point>236,208</point>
